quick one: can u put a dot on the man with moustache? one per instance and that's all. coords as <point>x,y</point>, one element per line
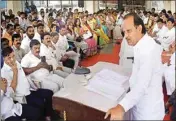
<point>145,98</point>
<point>19,52</point>
<point>27,39</point>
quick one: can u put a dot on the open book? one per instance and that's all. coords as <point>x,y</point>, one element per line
<point>108,83</point>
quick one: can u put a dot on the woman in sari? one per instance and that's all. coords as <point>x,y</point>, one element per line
<point>81,45</point>
<point>91,36</point>
<point>103,38</point>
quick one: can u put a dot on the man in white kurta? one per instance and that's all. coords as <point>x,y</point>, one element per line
<point>169,75</point>
<point>48,80</point>
<point>162,30</point>
<point>47,51</point>
<point>145,98</point>
<point>168,37</point>
<point>27,39</point>
<point>63,46</point>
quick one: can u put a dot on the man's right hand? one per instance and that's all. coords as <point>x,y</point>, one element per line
<point>14,67</point>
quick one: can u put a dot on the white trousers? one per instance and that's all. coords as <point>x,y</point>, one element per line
<point>52,82</point>
<point>66,71</point>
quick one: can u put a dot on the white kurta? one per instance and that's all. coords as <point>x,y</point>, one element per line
<point>168,39</point>
<point>146,94</point>
<point>169,75</point>
<point>25,44</point>
<point>37,36</point>
<point>8,107</point>
<point>161,33</point>
<point>126,51</point>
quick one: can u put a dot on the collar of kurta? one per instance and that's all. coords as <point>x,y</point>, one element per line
<point>141,41</point>
<point>31,54</point>
<point>13,47</point>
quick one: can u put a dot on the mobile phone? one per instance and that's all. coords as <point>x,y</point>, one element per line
<point>43,59</point>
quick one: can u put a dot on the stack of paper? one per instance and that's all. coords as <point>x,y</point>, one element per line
<point>108,83</point>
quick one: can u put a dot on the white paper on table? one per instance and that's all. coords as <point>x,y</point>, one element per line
<point>108,84</point>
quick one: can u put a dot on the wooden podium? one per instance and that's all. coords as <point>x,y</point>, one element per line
<point>76,111</point>
<point>78,103</point>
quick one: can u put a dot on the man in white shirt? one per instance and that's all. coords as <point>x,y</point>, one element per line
<point>23,21</point>
<point>47,50</point>
<point>19,52</point>
<point>16,78</point>
<point>145,18</point>
<point>11,111</point>
<point>162,30</point>
<point>168,37</point>
<point>37,69</point>
<point>40,31</point>
<point>63,46</point>
<point>145,98</point>
<point>27,39</point>
<point>169,72</point>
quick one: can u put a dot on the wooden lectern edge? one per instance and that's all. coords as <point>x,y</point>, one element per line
<point>76,110</point>
<point>58,98</point>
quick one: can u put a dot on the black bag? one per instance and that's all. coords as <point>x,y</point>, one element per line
<point>69,63</point>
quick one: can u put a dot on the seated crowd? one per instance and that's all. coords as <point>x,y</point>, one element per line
<point>40,49</point>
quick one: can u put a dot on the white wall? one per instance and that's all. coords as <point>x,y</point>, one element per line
<point>168,5</point>
<point>173,6</point>
<point>15,6</point>
<point>89,6</point>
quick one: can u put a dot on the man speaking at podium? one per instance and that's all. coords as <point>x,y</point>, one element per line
<point>145,97</point>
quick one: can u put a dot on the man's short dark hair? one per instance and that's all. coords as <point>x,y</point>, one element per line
<point>22,13</point>
<point>7,17</point>
<point>29,28</point>
<point>40,24</point>
<point>4,40</point>
<point>169,11</point>
<point>153,9</point>
<point>160,20</point>
<point>34,42</point>
<point>53,34</point>
<point>6,51</point>
<point>164,11</point>
<point>16,25</point>
<point>171,20</point>
<point>8,26</point>
<point>137,21</point>
<point>15,36</point>
<point>46,33</point>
